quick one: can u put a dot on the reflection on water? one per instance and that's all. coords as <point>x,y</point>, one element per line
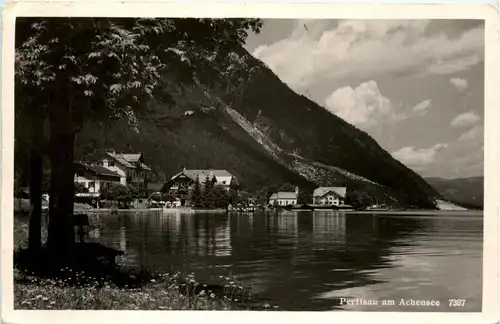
<point>309,260</point>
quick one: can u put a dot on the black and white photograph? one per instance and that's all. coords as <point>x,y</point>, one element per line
<point>248,164</point>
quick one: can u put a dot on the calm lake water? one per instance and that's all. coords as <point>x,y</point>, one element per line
<point>309,260</point>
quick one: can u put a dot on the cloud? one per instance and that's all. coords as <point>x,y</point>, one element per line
<point>366,48</point>
<point>418,159</point>
<point>454,65</point>
<point>422,107</point>
<point>364,105</point>
<point>474,134</point>
<point>470,163</point>
<point>448,160</point>
<point>465,119</point>
<point>459,83</point>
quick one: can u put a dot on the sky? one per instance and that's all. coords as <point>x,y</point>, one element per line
<point>416,86</point>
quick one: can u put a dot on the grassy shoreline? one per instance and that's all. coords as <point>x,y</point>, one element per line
<point>70,289</point>
<point>162,293</point>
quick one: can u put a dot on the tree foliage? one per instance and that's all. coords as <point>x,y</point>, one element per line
<point>287,187</point>
<point>358,199</point>
<point>116,191</point>
<point>109,67</point>
<point>208,199</point>
<point>305,197</point>
<point>264,193</point>
<point>103,69</point>
<point>196,194</point>
<point>134,192</point>
<point>235,197</point>
<point>209,196</point>
<point>80,188</point>
<point>220,197</point>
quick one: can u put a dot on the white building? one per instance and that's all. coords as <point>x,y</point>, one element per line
<point>329,196</point>
<point>181,184</point>
<point>130,167</point>
<point>284,198</point>
<point>94,177</point>
<point>220,178</point>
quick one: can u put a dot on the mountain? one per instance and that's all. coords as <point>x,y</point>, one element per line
<point>267,136</point>
<point>467,192</point>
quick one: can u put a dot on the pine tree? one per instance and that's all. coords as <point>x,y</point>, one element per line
<point>208,197</point>
<point>197,194</point>
<point>221,197</point>
<point>234,198</point>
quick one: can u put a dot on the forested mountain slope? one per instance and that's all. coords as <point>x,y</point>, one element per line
<point>266,135</point>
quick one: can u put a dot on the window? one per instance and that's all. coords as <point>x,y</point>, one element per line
<point>224,182</point>
<point>92,185</point>
<point>111,163</point>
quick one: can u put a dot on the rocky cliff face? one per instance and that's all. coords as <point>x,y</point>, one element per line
<point>269,135</point>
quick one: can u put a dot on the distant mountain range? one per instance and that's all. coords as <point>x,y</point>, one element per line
<point>467,192</point>
<point>268,136</point>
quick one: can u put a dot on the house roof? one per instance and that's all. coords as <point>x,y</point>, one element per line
<point>284,195</point>
<point>145,167</point>
<point>96,169</point>
<point>118,157</point>
<point>321,191</point>
<point>202,174</point>
<point>132,157</point>
<point>129,160</point>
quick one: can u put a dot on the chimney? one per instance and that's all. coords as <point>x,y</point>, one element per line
<point>297,190</point>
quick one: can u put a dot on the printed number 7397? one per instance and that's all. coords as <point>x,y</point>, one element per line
<point>456,302</point>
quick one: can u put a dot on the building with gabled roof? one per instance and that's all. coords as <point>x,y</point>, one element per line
<point>329,196</point>
<point>221,177</point>
<point>284,198</point>
<point>130,167</point>
<point>181,184</point>
<point>129,160</point>
<point>94,177</point>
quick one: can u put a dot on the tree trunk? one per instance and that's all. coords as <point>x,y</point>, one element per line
<point>61,150</point>
<point>35,182</point>
<point>35,224</point>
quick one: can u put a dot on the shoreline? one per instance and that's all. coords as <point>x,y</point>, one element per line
<point>168,291</point>
<point>437,213</point>
<point>156,291</point>
<point>145,210</point>
<point>347,212</point>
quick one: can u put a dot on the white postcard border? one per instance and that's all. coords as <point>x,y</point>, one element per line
<point>491,250</point>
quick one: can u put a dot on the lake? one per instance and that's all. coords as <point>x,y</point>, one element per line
<point>310,260</point>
